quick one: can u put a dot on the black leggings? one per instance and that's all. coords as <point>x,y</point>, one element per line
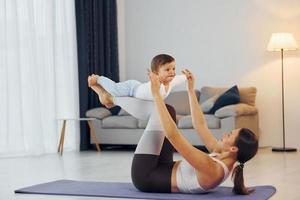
<point>152,173</point>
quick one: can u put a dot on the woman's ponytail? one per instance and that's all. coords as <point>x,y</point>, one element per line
<point>247,144</point>
<point>238,180</point>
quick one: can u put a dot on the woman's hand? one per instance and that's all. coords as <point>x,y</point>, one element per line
<point>155,83</point>
<point>190,79</point>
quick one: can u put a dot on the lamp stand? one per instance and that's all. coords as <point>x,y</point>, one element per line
<point>284,148</point>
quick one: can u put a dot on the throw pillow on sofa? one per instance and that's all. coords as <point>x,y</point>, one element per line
<point>207,105</point>
<point>231,96</point>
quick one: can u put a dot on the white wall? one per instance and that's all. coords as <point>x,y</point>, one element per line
<point>223,43</point>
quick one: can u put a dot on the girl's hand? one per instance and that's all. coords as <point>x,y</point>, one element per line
<point>190,79</point>
<point>155,83</point>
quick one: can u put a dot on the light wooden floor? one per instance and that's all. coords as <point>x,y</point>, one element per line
<point>279,169</point>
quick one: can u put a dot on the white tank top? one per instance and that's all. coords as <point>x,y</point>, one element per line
<point>186,177</point>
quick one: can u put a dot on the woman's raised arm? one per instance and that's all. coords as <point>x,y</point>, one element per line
<point>198,119</point>
<point>194,156</point>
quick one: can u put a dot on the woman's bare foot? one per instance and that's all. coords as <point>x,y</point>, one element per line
<point>105,97</point>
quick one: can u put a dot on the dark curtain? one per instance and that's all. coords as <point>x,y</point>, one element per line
<point>97,47</point>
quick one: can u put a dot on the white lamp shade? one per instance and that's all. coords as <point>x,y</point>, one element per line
<point>285,41</point>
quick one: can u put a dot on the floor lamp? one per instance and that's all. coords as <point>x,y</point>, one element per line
<point>282,42</point>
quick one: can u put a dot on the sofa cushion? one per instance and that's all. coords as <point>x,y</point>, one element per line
<point>231,96</point>
<point>207,105</point>
<point>247,94</point>
<point>120,122</point>
<point>123,112</point>
<point>180,101</point>
<point>99,113</point>
<point>178,117</point>
<point>208,92</point>
<point>212,122</point>
<point>142,123</point>
<point>236,110</point>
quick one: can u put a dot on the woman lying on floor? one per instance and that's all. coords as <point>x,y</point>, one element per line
<point>153,168</point>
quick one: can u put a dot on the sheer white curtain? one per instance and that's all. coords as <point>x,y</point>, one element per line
<point>38,76</point>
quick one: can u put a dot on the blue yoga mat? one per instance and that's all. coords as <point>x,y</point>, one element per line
<point>127,190</point>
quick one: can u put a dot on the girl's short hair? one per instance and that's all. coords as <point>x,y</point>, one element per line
<point>159,60</point>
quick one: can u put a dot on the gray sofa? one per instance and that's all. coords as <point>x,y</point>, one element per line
<point>123,129</point>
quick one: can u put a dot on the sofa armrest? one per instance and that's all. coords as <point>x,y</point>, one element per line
<point>236,110</point>
<point>98,113</point>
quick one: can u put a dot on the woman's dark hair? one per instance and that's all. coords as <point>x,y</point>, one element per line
<point>247,144</point>
<point>159,60</point>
